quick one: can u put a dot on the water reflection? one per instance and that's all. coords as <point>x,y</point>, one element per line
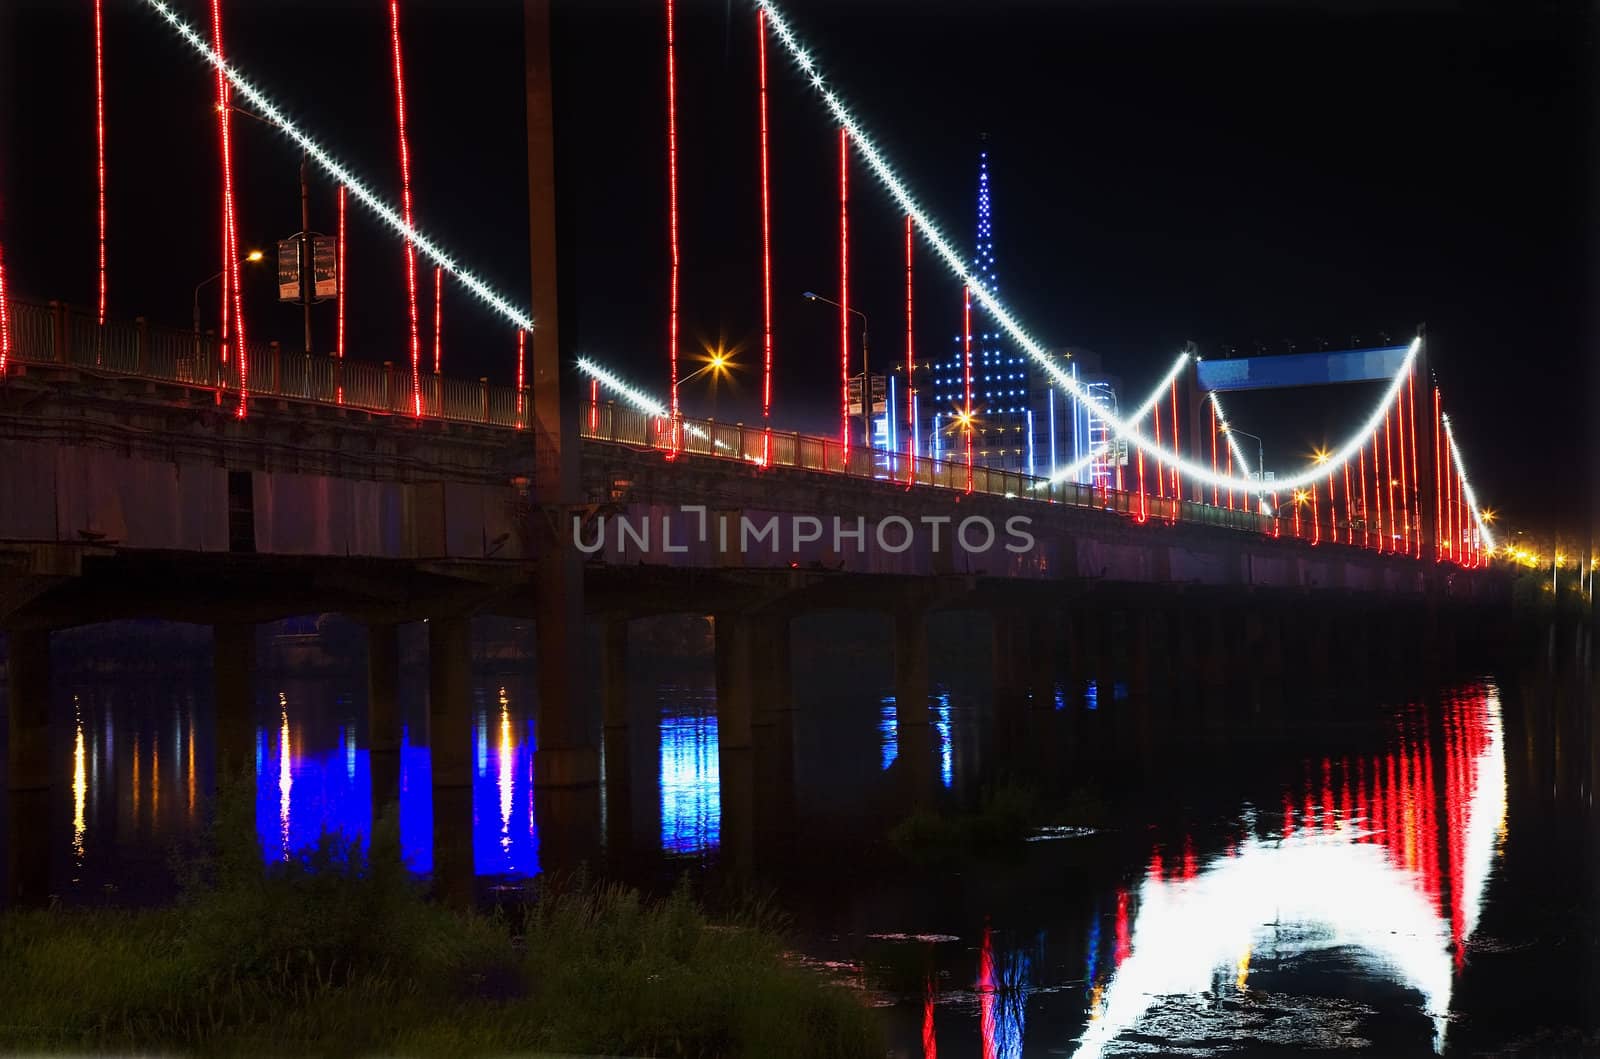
<point>1382,861</point>
<point>691,780</point>
<point>889,735</point>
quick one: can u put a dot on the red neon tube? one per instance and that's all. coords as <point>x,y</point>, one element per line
<point>1416,489</point>
<point>1349,529</point>
<point>1388,477</point>
<point>405,207</point>
<point>438,316</point>
<point>766,249</point>
<point>1366,512</point>
<point>1377,492</point>
<point>339,308</point>
<point>1439,545</point>
<point>1216,500</point>
<point>966,347</point>
<point>1143,514</point>
<point>1405,482</point>
<point>522,376</point>
<point>672,225</point>
<point>1177,451</point>
<point>100,145</point>
<point>911,365</point>
<point>1161,471</point>
<point>844,304</point>
<point>230,265</point>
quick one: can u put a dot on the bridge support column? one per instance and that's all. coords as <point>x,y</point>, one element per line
<point>734,680</point>
<point>383,717</point>
<point>450,750</point>
<point>771,671</point>
<point>233,663</point>
<point>28,775</point>
<point>914,734</point>
<point>614,671</point>
<point>1044,650</point>
<point>1011,663</point>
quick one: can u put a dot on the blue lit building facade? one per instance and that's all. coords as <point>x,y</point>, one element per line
<point>1021,421</point>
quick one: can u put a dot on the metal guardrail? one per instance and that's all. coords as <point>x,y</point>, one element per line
<point>54,333</point>
<point>755,446</point>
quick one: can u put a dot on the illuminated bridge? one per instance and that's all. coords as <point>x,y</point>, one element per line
<point>179,474</point>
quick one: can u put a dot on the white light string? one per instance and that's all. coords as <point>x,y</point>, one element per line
<point>1071,470</point>
<point>1466,487</point>
<point>337,170</point>
<point>935,238</point>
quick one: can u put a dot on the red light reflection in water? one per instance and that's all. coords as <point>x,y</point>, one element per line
<point>1385,859</point>
<point>988,994</point>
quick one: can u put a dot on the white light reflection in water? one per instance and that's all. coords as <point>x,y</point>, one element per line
<point>285,772</point>
<point>506,775</point>
<point>80,786</point>
<point>1378,876</point>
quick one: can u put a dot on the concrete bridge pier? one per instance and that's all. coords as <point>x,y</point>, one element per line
<point>383,717</point>
<point>735,680</point>
<point>450,751</point>
<point>233,665</point>
<point>28,766</point>
<point>614,672</point>
<point>1044,655</point>
<point>914,732</point>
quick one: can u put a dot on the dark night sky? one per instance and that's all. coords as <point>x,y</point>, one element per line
<point>1257,173</point>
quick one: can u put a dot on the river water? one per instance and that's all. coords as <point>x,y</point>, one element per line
<point>1402,868</point>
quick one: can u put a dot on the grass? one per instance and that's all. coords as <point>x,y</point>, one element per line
<point>1006,815</point>
<point>337,953</point>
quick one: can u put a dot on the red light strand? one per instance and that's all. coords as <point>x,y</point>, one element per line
<point>1388,478</point>
<point>844,298</point>
<point>1416,490</point>
<point>1215,493</point>
<point>766,248</point>
<point>1438,487</point>
<point>405,207</point>
<point>230,238</point>
<point>672,223</point>
<point>1378,480</point>
<point>966,358</point>
<point>1161,470</point>
<point>5,316</point>
<point>1349,528</point>
<point>339,305</point>
<point>1143,514</point>
<point>100,144</point>
<point>911,364</point>
<point>1177,452</point>
<point>1366,512</point>
<point>1405,481</point>
<point>522,376</point>
<point>438,317</point>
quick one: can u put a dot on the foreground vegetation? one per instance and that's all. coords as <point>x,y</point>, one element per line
<point>338,954</point>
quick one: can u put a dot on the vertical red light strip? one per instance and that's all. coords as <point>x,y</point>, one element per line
<point>5,316</point>
<point>338,350</point>
<point>1378,481</point>
<point>1229,447</point>
<point>966,357</point>
<point>1161,469</point>
<point>1277,521</point>
<point>1177,453</point>
<point>405,204</point>
<point>1349,528</point>
<point>1416,489</point>
<point>1405,482</point>
<point>672,225</point>
<point>1449,499</point>
<point>1439,488</point>
<point>844,303</point>
<point>911,365</point>
<point>1366,517</point>
<point>1333,510</point>
<point>230,263</point>
<point>522,376</point>
<point>594,406</point>
<point>1144,515</point>
<point>1216,500</point>
<point>766,249</point>
<point>438,316</point>
<point>1388,477</point>
<point>1296,506</point>
<point>1316,517</point>
<point>100,145</point>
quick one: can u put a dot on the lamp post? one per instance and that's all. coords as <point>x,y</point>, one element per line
<point>250,258</point>
<point>717,364</point>
<point>866,382</point>
<point>304,237</point>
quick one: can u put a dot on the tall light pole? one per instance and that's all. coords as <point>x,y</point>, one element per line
<point>717,365</point>
<point>866,381</point>
<point>306,246</point>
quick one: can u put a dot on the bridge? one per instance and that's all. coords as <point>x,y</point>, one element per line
<point>148,472</point>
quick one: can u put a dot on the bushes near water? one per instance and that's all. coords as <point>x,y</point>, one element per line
<point>338,953</point>
<point>1006,815</point>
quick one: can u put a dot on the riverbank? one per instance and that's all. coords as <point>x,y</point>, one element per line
<point>338,953</point>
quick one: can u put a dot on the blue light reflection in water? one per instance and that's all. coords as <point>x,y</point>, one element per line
<point>691,781</point>
<point>947,764</point>
<point>888,732</point>
<point>301,795</point>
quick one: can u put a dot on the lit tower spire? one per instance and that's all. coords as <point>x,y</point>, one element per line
<point>983,255</point>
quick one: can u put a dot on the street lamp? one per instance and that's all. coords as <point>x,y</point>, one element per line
<point>866,383</point>
<point>718,365</point>
<point>251,258</point>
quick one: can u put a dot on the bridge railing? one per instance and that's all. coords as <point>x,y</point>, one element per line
<point>757,447</point>
<point>54,333</point>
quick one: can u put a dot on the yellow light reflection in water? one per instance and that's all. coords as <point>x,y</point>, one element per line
<point>135,771</point>
<point>155,780</point>
<point>190,767</point>
<point>504,776</point>
<point>80,785</point>
<point>1242,969</point>
<point>285,772</point>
